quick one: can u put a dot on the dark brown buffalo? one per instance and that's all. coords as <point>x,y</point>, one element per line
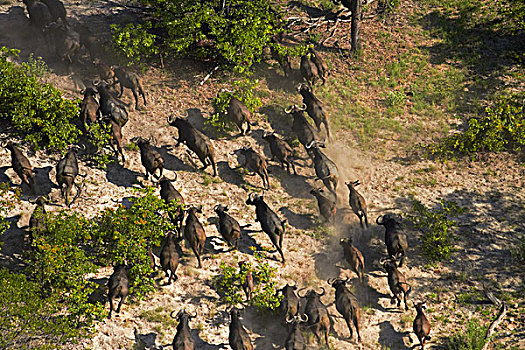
<point>289,305</point>
<point>239,114</point>
<point>183,340</point>
<point>239,338</point>
<point>327,206</point>
<point>318,317</point>
<point>118,287</point>
<point>395,237</point>
<point>150,158</point>
<point>254,162</point>
<point>169,193</point>
<point>89,108</point>
<point>346,304</point>
<point>21,166</point>
<point>194,233</point>
<point>397,283</point>
<point>270,222</point>
<point>353,257</point>
<point>281,151</point>
<point>421,325</point>
<point>229,228</point>
<point>196,141</point>
<point>357,202</point>
<point>131,81</point>
<point>66,172</point>
<point>314,108</point>
<point>305,132</point>
<point>170,255</point>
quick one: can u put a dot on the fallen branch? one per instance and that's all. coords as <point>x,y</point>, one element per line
<point>501,316</point>
<point>209,75</point>
<point>334,28</point>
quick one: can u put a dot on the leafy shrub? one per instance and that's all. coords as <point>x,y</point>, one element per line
<point>394,98</point>
<point>37,111</point>
<point>501,129</point>
<point>30,321</point>
<point>437,227</point>
<point>134,41</point>
<point>234,32</point>
<point>472,338</point>
<point>7,202</point>
<point>121,235</point>
<point>59,262</point>
<point>35,66</point>
<point>245,91</point>
<point>100,138</point>
<point>229,284</point>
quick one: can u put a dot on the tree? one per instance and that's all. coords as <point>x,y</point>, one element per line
<point>233,32</point>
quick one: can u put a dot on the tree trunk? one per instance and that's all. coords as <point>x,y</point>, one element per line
<point>356,25</point>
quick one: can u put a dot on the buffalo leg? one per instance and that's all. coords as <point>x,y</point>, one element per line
<point>136,96</point>
<point>349,329</point>
<point>110,307</point>
<point>197,255</point>
<point>122,299</point>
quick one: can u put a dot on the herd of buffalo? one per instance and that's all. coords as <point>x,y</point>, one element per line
<point>302,311</point>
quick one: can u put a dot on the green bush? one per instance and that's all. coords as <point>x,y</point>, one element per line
<point>60,261</point>
<point>229,284</point>
<point>100,138</point>
<point>134,41</point>
<point>121,235</point>
<point>235,32</point>
<point>501,129</point>
<point>437,227</point>
<point>7,202</point>
<point>30,321</point>
<point>35,110</point>
<point>472,338</point>
<point>246,91</point>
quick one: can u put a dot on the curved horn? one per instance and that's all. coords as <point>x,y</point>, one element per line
<point>299,292</point>
<point>170,118</point>
<point>383,260</point>
<point>308,146</point>
<point>289,320</point>
<point>305,318</point>
<point>303,107</point>
<point>345,280</point>
<point>216,207</point>
<point>330,281</point>
<point>323,293</point>
<point>289,109</point>
<point>193,316</point>
<point>382,220</point>
<point>171,314</point>
<point>96,82</point>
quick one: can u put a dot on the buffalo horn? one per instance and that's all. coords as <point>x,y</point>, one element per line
<point>289,109</point>
<point>323,293</point>
<point>170,119</point>
<point>303,107</point>
<point>331,281</point>
<point>382,220</point>
<point>299,292</point>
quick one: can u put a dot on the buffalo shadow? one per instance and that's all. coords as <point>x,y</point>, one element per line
<point>389,337</point>
<point>120,176</point>
<point>172,162</point>
<point>13,245</point>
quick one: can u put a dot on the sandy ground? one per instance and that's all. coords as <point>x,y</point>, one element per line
<point>492,190</point>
